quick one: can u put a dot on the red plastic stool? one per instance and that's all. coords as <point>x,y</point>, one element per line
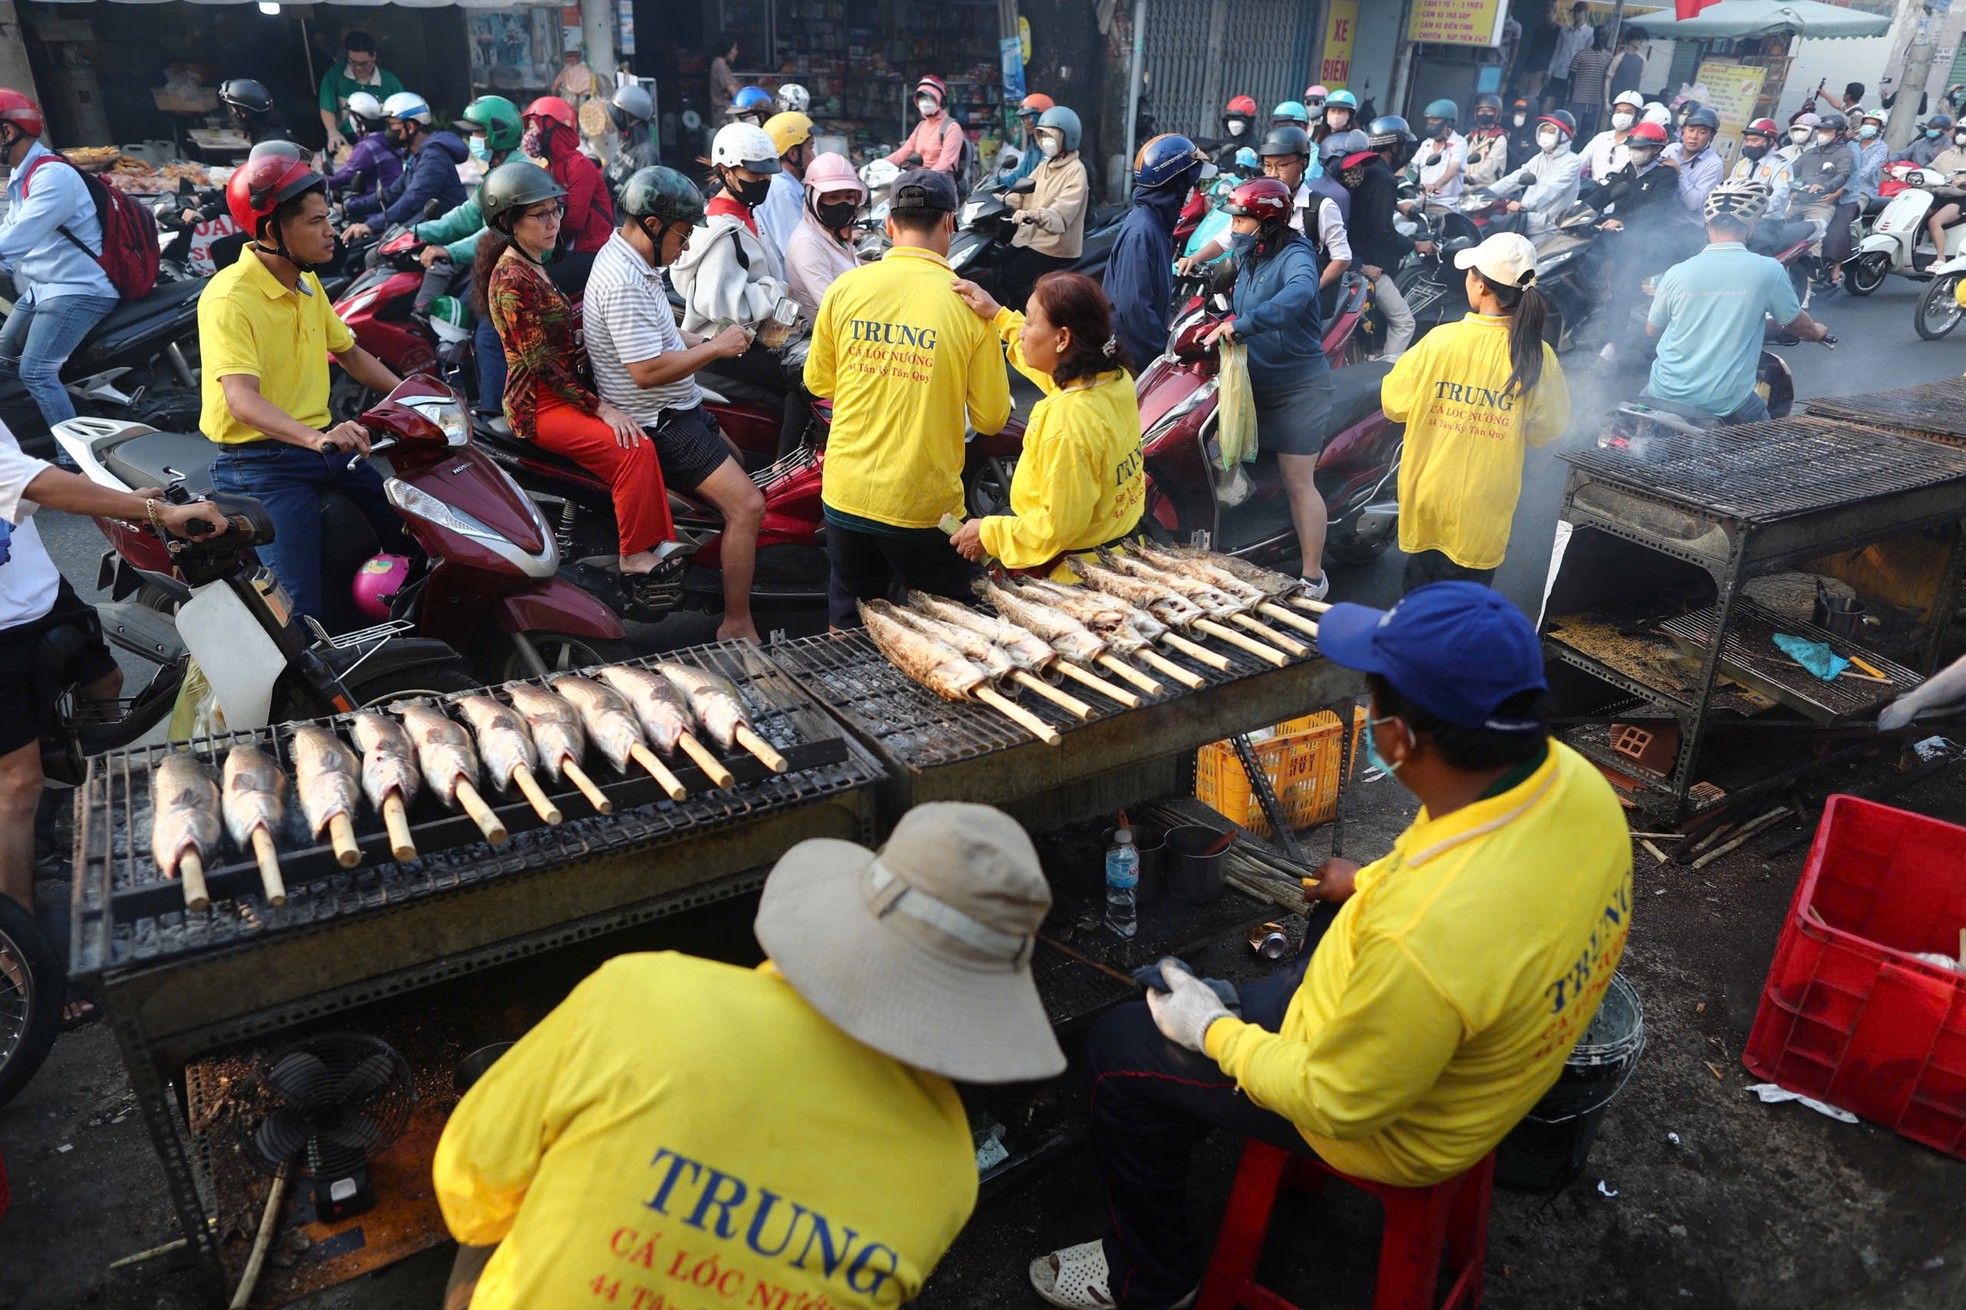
<point>1420,1222</point>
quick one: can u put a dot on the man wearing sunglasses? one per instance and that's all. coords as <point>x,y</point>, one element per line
<point>359,73</point>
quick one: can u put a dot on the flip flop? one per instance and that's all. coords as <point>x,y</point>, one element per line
<point>1077,1278</point>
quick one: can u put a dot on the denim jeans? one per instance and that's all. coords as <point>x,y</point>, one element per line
<point>489,352</point>
<point>38,339</point>
<point>290,482</point>
<point>1752,410</point>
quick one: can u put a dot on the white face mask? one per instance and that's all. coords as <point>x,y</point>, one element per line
<point>927,106</point>
<point>1959,138</point>
<point>1800,136</point>
<point>1237,127</point>
<point>1051,145</point>
<point>1520,119</point>
<point>1825,138</point>
<point>1547,140</point>
<point>1621,121</point>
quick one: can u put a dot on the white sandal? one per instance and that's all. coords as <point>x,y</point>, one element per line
<point>1077,1278</point>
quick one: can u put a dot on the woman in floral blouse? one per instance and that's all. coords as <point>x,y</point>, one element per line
<point>546,400</point>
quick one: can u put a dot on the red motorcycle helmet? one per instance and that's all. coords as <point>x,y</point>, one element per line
<point>23,113</point>
<point>1241,107</point>
<point>1262,198</point>
<point>259,186</point>
<point>1647,134</point>
<point>1763,127</point>
<point>553,109</point>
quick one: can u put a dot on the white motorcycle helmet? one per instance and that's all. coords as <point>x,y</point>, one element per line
<point>744,145</point>
<point>794,99</point>
<point>1657,113</point>
<point>407,104</point>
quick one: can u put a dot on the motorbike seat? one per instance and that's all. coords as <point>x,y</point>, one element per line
<point>1355,393</point>
<point>168,298</point>
<point>141,460</point>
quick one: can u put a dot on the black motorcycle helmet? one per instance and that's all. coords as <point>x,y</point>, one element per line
<point>1285,139</point>
<point>247,95</point>
<point>1390,136</point>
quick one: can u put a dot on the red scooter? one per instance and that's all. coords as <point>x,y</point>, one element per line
<point>1247,512</point>
<point>484,578</point>
<point>1344,306</point>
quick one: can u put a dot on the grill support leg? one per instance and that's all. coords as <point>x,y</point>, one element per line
<point>1259,782</point>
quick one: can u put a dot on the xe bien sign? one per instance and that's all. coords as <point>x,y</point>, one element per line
<point>1340,29</point>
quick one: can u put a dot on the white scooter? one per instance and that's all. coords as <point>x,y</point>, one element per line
<point>1898,242</point>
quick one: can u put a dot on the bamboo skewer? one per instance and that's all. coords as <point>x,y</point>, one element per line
<point>1197,651</point>
<point>1070,704</point>
<point>341,834</point>
<point>191,872</point>
<point>1171,669</point>
<point>269,867</point>
<point>1131,674</point>
<point>481,813</point>
<point>269,1222</point>
<point>1271,635</point>
<point>710,764</point>
<point>1250,644</point>
<point>1017,714</point>
<point>395,817</point>
<point>1314,606</point>
<point>1282,615</point>
<point>1099,684</point>
<point>664,779</point>
<point>542,804</point>
<point>761,749</point>
<point>576,775</point>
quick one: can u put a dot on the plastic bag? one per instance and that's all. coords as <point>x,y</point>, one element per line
<point>197,712</point>
<point>1235,408</point>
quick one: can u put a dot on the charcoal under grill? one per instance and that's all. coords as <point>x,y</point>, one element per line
<point>1935,411</point>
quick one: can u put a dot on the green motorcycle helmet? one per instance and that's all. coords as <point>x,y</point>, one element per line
<point>450,320</point>
<point>510,187</point>
<point>499,118</point>
<point>664,195</point>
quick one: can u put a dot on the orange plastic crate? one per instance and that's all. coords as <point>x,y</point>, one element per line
<point>1302,763</point>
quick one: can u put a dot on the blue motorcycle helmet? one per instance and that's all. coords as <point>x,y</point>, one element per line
<point>1292,112</point>
<point>1170,160</point>
<point>1065,122</point>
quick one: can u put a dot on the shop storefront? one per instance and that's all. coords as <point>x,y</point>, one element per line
<point>1202,52</point>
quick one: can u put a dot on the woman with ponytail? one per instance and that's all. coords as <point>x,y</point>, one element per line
<point>1474,396</point>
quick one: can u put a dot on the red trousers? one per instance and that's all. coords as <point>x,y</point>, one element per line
<point>641,501</point>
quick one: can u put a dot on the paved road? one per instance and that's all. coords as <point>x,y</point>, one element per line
<point>1879,349</point>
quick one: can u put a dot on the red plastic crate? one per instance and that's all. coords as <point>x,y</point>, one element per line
<point>1848,1015</point>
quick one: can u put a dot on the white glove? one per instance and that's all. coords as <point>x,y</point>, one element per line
<point>1184,1013</point>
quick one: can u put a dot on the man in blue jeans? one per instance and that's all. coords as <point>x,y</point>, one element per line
<point>47,242</point>
<point>265,332</point>
<point>1709,312</point>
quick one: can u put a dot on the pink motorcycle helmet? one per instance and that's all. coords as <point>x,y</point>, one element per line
<point>376,584</point>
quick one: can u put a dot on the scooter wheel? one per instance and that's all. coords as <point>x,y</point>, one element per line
<point>1866,273</point>
<point>31,991</point>
<point>1938,309</point>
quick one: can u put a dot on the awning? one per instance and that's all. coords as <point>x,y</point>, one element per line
<point>1743,18</point>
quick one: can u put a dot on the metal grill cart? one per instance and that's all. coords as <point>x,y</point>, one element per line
<point>1647,624</point>
<point>180,985</point>
<point>1935,411</point>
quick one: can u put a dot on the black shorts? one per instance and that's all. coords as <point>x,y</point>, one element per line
<point>873,566</point>
<point>30,695</point>
<point>689,445</point>
<point>1294,422</point>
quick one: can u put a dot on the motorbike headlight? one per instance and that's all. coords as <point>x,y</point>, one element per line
<point>1193,401</point>
<point>962,258</point>
<point>1555,262</point>
<point>970,211</point>
<point>448,416</point>
<point>357,303</point>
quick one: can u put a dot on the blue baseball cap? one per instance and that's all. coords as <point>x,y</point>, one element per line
<point>1456,649</point>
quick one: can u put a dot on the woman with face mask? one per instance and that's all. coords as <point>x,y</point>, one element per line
<point>553,136</point>
<point>1340,115</point>
<point>1951,164</point>
<point>821,247</point>
<point>937,138</point>
<point>1048,232</point>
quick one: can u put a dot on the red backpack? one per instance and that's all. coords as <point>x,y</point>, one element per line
<point>129,234</point>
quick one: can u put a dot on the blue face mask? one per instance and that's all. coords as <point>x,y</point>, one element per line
<point>479,150</point>
<point>1242,243</point>
<point>1932,132</point>
<point>1372,755</point>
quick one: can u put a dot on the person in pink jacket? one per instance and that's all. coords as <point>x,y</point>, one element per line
<point>821,246</point>
<point>938,138</point>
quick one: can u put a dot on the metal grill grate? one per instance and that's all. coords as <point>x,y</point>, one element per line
<point>1765,472</point>
<point>129,913</point>
<point>914,725</point>
<point>1936,411</point>
<point>1751,655</point>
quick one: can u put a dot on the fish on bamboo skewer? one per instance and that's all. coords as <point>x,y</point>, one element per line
<point>449,763</point>
<point>253,809</point>
<point>720,710</point>
<point>1221,605</point>
<point>1026,650</point>
<point>184,823</point>
<point>1080,646</point>
<point>1169,607</point>
<point>507,750</point>
<point>1264,593</point>
<point>612,724</point>
<point>973,645</point>
<point>1279,586</point>
<point>1132,631</point>
<point>555,727</point>
<point>1148,627</point>
<point>665,716</point>
<point>328,781</point>
<point>389,776</point>
<point>944,671</point>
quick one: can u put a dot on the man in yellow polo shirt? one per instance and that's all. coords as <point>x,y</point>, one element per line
<point>1444,997</point>
<point>901,357</point>
<point>265,332</point>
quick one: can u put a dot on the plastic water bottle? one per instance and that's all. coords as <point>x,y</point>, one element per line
<point>1122,885</point>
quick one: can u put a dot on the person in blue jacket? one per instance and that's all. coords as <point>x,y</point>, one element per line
<point>1275,314</point>
<point>430,160</point>
<point>1140,274</point>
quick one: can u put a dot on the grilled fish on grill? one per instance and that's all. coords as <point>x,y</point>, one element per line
<point>606,716</point>
<point>184,811</point>
<point>1219,604</point>
<point>1066,634</point>
<point>942,669</point>
<point>657,703</point>
<point>443,750</point>
<point>712,698</point>
<point>554,723</point>
<point>1026,650</point>
<point>1274,585</point>
<point>1203,569</point>
<point>1102,614</point>
<point>252,798</point>
<point>502,740</point>
<point>388,759</point>
<point>1169,606</point>
<point>972,645</point>
<point>327,777</point>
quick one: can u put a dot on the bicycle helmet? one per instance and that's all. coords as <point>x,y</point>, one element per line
<point>753,102</point>
<point>664,195</point>
<point>407,104</point>
<point>365,112</point>
<point>1291,111</point>
<point>1285,140</point>
<point>1703,117</point>
<point>550,109</point>
<point>509,188</point>
<point>1034,104</point>
<point>742,145</point>
<point>629,105</point>
<point>247,94</point>
<point>24,114</point>
<point>794,99</point>
<point>260,186</point>
<point>498,118</point>
<point>1065,122</point>
<point>1739,200</point>
<point>1561,121</point>
<point>788,131</point>
<point>1168,160</point>
<point>1262,198</point>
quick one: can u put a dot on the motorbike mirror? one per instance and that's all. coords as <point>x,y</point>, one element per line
<point>913,161</point>
<point>432,208</point>
<point>1023,186</point>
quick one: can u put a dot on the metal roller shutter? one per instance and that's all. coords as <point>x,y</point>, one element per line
<point>1264,51</point>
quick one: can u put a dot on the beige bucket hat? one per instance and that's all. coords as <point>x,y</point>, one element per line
<point>922,949</point>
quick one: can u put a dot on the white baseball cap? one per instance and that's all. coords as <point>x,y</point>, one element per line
<point>1507,259</point>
